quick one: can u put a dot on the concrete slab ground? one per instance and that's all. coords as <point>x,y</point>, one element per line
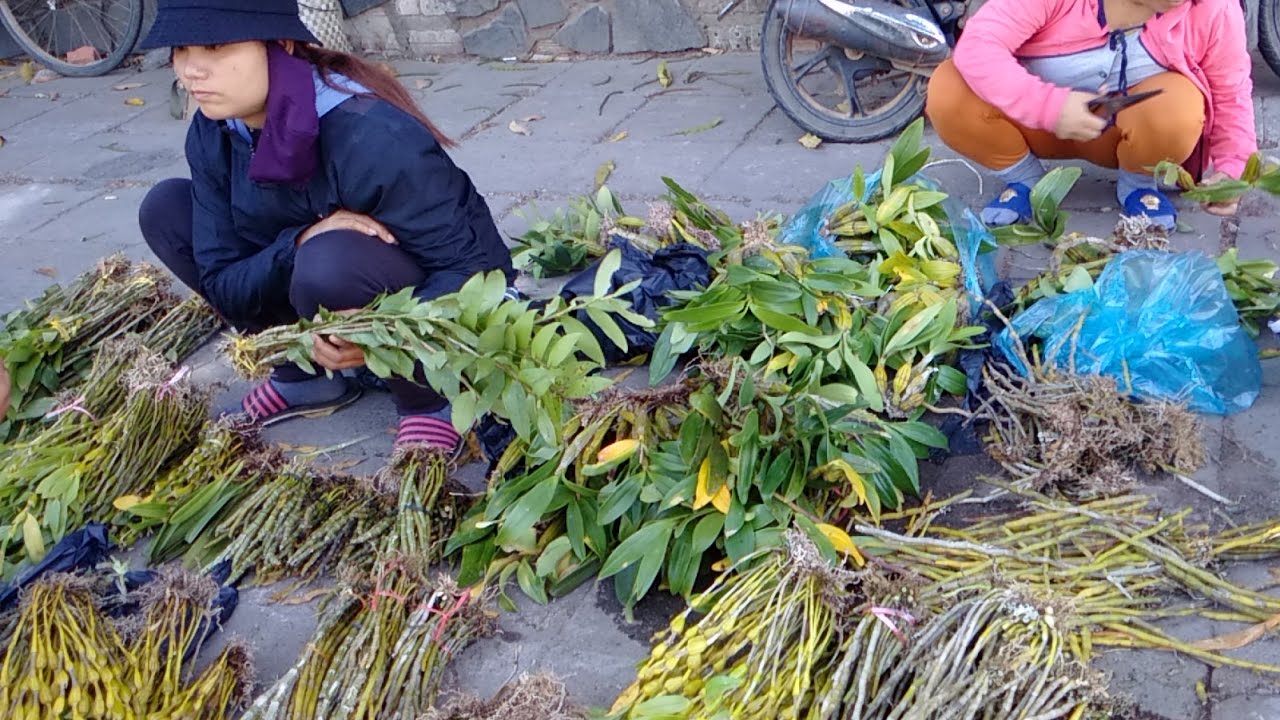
<point>77,160</point>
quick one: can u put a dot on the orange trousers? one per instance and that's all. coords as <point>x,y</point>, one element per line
<point>1166,127</point>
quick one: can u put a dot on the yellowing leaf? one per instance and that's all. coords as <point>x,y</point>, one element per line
<point>124,502</point>
<point>838,468</point>
<point>135,102</point>
<point>721,565</point>
<point>664,74</point>
<point>779,361</point>
<point>27,71</point>
<point>721,500</point>
<point>619,137</point>
<point>32,538</point>
<point>842,543</point>
<point>810,141</point>
<point>701,496</point>
<point>619,450</point>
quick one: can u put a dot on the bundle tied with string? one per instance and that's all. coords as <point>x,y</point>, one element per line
<point>66,658</point>
<point>380,650</point>
<point>108,440</point>
<point>301,521</point>
<point>158,425</point>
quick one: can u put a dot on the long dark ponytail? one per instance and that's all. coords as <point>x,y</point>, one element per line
<point>378,81</point>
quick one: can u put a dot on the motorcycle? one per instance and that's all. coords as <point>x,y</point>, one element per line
<point>855,71</point>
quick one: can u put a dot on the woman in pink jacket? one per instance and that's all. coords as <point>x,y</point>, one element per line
<point>1024,71</point>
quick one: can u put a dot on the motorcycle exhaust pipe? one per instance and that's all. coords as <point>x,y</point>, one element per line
<point>877,27</point>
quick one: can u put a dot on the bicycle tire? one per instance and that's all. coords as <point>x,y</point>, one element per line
<point>886,122</point>
<point>1269,33</point>
<point>132,29</point>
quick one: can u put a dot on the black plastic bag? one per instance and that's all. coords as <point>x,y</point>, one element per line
<point>82,549</point>
<point>675,267</point>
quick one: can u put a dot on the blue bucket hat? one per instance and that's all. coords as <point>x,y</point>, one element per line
<point>216,22</point>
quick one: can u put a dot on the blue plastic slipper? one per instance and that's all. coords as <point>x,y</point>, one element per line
<point>1011,206</point>
<point>1155,205</point>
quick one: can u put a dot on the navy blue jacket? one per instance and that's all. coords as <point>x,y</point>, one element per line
<point>374,159</point>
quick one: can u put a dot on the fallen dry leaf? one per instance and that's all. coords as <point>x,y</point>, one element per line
<point>810,141</point>
<point>389,69</point>
<point>619,137</point>
<point>83,55</point>
<point>45,75</point>
<point>700,128</point>
<point>518,128</point>
<point>2,141</point>
<point>135,101</point>
<point>127,86</point>
<point>1237,640</point>
<point>304,598</point>
<point>423,83</point>
<point>531,118</point>
<point>47,272</point>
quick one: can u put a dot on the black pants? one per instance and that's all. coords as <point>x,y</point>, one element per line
<point>336,270</point>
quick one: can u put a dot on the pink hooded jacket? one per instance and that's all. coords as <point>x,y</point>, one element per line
<point>1204,40</point>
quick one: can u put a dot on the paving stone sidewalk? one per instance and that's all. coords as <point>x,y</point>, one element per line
<point>77,160</point>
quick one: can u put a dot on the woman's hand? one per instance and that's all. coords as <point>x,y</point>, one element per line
<point>333,353</point>
<point>347,220</point>
<point>1226,208</point>
<point>1076,121</point>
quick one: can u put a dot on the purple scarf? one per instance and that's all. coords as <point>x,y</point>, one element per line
<point>286,150</point>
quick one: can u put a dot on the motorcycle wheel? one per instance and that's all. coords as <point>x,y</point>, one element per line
<point>1269,33</point>
<point>838,95</point>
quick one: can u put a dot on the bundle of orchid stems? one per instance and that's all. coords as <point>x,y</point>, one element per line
<point>997,619</point>
<point>380,650</point>
<point>67,659</point>
<point>49,345</point>
<point>133,418</point>
<point>302,522</point>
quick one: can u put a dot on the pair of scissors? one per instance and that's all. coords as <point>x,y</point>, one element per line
<point>1107,106</point>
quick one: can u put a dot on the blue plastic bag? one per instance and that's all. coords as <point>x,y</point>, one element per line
<point>1166,318</point>
<point>971,237</point>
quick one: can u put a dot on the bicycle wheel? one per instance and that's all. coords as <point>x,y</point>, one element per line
<point>74,37</point>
